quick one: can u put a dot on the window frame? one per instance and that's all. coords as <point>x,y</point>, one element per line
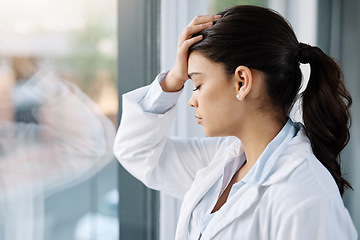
<point>138,64</point>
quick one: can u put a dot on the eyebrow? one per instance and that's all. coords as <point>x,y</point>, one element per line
<point>193,73</point>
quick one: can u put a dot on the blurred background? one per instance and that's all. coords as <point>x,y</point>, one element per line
<point>58,111</point>
<point>63,68</point>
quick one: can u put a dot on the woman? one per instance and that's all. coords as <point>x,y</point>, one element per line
<point>258,175</point>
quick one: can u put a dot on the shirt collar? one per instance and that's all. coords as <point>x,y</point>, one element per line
<point>260,171</point>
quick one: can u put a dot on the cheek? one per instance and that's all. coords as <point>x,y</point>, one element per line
<point>228,112</point>
<point>225,102</point>
<point>219,94</point>
<point>222,109</point>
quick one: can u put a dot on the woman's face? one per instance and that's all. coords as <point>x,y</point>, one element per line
<point>216,106</point>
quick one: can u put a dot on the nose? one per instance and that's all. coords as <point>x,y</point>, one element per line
<point>192,101</point>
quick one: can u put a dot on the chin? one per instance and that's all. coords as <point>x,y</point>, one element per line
<point>210,133</point>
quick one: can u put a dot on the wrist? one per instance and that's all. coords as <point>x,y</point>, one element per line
<point>171,83</point>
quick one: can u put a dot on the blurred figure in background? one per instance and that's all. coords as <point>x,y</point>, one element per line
<point>51,136</point>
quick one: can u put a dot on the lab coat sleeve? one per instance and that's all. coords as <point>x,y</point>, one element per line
<point>317,219</point>
<point>156,100</point>
<point>168,164</point>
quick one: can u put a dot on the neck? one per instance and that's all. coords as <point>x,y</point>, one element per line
<point>257,133</point>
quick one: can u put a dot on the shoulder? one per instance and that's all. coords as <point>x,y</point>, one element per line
<point>298,178</point>
<point>307,204</point>
<point>298,169</point>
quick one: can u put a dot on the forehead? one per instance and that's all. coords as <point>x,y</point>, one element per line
<point>198,63</point>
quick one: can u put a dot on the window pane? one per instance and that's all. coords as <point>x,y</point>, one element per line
<point>58,108</point>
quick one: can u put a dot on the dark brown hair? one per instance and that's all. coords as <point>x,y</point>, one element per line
<point>262,39</point>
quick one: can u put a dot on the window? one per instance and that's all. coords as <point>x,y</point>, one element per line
<point>58,110</point>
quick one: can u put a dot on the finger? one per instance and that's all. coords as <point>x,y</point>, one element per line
<point>204,19</point>
<point>191,30</point>
<point>187,43</point>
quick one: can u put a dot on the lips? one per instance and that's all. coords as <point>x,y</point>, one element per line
<point>199,119</point>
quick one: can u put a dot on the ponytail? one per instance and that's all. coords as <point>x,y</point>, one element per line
<point>326,113</point>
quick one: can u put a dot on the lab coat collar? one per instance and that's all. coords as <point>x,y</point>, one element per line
<point>290,158</point>
<point>265,163</point>
<point>248,195</point>
<point>205,178</point>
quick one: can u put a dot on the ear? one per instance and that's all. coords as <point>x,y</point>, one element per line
<point>244,81</point>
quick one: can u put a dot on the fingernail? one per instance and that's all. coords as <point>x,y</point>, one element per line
<point>217,17</point>
<point>209,24</point>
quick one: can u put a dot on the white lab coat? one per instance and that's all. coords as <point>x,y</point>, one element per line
<point>297,199</point>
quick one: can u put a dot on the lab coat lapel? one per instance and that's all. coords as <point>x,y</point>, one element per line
<point>241,203</point>
<point>204,180</point>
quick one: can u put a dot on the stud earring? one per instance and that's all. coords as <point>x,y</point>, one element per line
<point>238,97</point>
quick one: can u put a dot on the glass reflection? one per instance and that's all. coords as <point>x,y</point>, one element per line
<point>51,137</point>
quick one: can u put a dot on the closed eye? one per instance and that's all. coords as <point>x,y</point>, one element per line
<point>197,88</point>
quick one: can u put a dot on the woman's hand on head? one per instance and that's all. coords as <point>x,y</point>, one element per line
<point>178,74</point>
